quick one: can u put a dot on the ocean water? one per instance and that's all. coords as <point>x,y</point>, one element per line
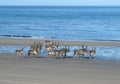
<point>73,23</point>
<point>62,22</point>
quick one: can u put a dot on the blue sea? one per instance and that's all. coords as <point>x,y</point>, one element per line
<point>94,23</point>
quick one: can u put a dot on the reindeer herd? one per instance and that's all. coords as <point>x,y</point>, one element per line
<point>53,49</point>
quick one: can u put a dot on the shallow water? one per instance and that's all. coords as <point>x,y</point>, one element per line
<point>102,52</point>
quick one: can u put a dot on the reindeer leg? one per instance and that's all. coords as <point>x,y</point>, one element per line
<point>20,56</point>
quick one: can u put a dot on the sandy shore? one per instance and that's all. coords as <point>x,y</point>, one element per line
<point>27,42</point>
<point>14,70</point>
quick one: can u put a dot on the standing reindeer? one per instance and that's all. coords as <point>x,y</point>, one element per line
<point>64,51</point>
<point>81,52</point>
<point>92,53</point>
<point>58,53</point>
<point>33,53</point>
<point>19,52</point>
<point>55,53</point>
<point>49,45</point>
<point>34,49</point>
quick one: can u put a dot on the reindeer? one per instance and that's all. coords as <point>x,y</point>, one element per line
<point>39,45</point>
<point>50,48</point>
<point>33,45</point>
<point>34,49</point>
<point>64,51</point>
<point>92,53</point>
<point>49,45</point>
<point>81,52</point>
<point>19,53</point>
<point>36,46</point>
<point>48,42</point>
<point>54,45</point>
<point>33,52</point>
<point>51,53</point>
<point>61,53</point>
<point>56,53</point>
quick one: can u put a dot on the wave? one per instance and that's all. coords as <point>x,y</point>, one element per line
<point>103,40</point>
<point>43,37</point>
<point>33,29</point>
<point>13,36</point>
<point>26,37</point>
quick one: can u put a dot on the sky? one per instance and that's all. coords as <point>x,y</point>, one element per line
<point>62,2</point>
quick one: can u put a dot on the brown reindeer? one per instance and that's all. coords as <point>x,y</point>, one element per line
<point>19,53</point>
<point>39,46</point>
<point>48,48</point>
<point>92,53</point>
<point>51,48</point>
<point>80,52</point>
<point>36,46</point>
<point>33,53</point>
<point>33,45</point>
<point>61,53</point>
<point>49,45</point>
<point>55,53</point>
<point>34,49</point>
<point>64,51</point>
<point>48,42</point>
<point>50,53</point>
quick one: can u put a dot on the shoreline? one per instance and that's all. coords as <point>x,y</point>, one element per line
<point>14,43</point>
<point>43,70</point>
<point>27,42</point>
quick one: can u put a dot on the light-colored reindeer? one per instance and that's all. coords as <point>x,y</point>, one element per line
<point>80,52</point>
<point>64,51</point>
<point>92,53</point>
<point>34,53</point>
<point>34,49</point>
<point>49,45</point>
<point>19,52</point>
<point>59,53</point>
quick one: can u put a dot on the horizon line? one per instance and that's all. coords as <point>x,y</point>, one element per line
<point>69,5</point>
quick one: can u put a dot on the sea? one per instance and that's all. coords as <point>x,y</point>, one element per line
<point>88,23</point>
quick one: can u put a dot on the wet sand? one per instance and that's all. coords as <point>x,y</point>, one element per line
<point>14,70</point>
<point>27,42</point>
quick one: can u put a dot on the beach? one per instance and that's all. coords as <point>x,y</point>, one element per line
<point>43,70</point>
<point>14,70</point>
<point>75,27</point>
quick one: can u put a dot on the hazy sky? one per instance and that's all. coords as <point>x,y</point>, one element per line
<point>61,2</point>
